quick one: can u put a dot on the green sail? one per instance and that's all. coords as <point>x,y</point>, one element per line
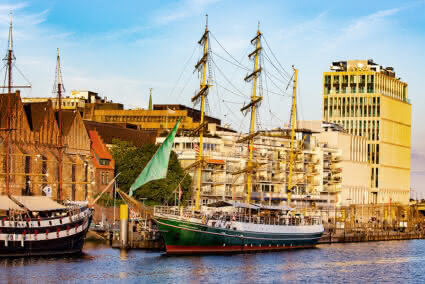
<point>158,165</point>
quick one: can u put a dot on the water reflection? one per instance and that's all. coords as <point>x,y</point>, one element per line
<point>123,254</point>
<point>397,261</point>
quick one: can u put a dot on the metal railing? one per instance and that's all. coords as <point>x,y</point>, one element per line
<point>223,217</point>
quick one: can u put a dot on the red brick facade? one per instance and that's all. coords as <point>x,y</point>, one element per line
<point>34,150</point>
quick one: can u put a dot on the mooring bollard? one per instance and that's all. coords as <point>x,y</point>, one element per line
<point>124,225</point>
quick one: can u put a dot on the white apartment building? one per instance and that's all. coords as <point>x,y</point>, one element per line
<point>330,166</point>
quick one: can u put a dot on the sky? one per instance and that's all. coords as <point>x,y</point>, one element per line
<point>120,49</point>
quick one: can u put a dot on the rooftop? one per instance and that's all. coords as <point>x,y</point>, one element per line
<point>361,65</point>
<point>108,132</point>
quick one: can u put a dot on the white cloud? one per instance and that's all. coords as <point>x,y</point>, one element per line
<point>182,10</point>
<point>365,25</point>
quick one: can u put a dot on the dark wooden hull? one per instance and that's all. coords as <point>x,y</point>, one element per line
<point>60,239</point>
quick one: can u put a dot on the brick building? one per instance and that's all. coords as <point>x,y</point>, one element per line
<point>103,162</point>
<point>34,150</point>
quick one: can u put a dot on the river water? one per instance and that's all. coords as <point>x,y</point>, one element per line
<point>374,262</point>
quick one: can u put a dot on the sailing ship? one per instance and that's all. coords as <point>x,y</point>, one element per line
<point>37,225</point>
<point>230,226</point>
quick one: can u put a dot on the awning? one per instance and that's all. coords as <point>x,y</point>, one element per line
<point>233,204</point>
<point>38,203</point>
<point>214,161</point>
<point>276,207</point>
<point>7,204</point>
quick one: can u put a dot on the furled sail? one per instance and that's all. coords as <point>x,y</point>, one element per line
<point>158,165</point>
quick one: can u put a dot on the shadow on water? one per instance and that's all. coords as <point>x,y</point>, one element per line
<point>399,261</point>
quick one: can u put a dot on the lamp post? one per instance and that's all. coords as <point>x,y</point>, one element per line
<point>144,210</point>
<point>349,207</point>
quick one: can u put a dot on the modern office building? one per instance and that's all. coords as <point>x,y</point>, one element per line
<point>369,100</point>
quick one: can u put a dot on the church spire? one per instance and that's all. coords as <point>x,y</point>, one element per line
<point>150,99</point>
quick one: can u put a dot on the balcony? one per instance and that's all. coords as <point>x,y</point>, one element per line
<point>336,179</point>
<point>336,159</point>
<point>332,188</point>
<point>335,170</point>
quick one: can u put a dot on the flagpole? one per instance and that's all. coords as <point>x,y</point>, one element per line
<point>115,197</point>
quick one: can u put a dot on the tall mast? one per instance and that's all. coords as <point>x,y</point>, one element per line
<point>293,125</point>
<point>255,99</point>
<point>203,92</point>
<point>9,58</point>
<point>58,87</point>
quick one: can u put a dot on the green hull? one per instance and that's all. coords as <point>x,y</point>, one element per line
<point>182,237</point>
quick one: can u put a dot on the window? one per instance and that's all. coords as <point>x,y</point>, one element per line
<point>376,178</point>
<point>377,159</point>
<point>104,162</point>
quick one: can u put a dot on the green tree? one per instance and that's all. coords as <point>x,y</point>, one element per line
<point>131,160</point>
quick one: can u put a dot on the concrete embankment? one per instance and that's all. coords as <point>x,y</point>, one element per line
<point>340,236</point>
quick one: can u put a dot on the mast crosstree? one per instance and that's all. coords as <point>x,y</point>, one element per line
<point>59,88</point>
<point>9,58</point>
<point>255,100</point>
<point>293,126</point>
<point>201,96</point>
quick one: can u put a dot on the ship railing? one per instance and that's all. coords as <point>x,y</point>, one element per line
<point>281,220</point>
<point>175,211</point>
<point>239,217</point>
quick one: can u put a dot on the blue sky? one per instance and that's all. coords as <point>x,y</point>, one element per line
<point>120,49</point>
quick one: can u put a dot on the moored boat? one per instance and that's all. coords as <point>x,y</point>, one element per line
<point>37,225</point>
<point>231,226</point>
<point>242,228</point>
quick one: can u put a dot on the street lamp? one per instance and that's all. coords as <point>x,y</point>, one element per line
<point>144,210</point>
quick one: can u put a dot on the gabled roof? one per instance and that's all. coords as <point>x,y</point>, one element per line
<point>99,151</point>
<point>68,117</point>
<point>36,112</point>
<point>98,146</point>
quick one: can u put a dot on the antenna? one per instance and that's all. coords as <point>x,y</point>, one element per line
<point>206,20</point>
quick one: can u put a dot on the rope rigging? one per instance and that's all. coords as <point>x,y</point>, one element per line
<point>270,84</point>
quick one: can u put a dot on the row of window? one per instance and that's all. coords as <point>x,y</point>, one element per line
<point>104,177</point>
<point>374,178</point>
<point>373,153</point>
<point>365,128</point>
<point>140,118</point>
<point>352,107</point>
<point>195,146</point>
<point>104,162</point>
<point>343,84</point>
<point>349,79</point>
<point>66,103</point>
<point>350,90</point>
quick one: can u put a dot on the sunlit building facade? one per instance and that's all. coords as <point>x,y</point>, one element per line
<point>369,100</point>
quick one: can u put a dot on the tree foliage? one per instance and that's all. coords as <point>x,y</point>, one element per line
<point>131,160</point>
